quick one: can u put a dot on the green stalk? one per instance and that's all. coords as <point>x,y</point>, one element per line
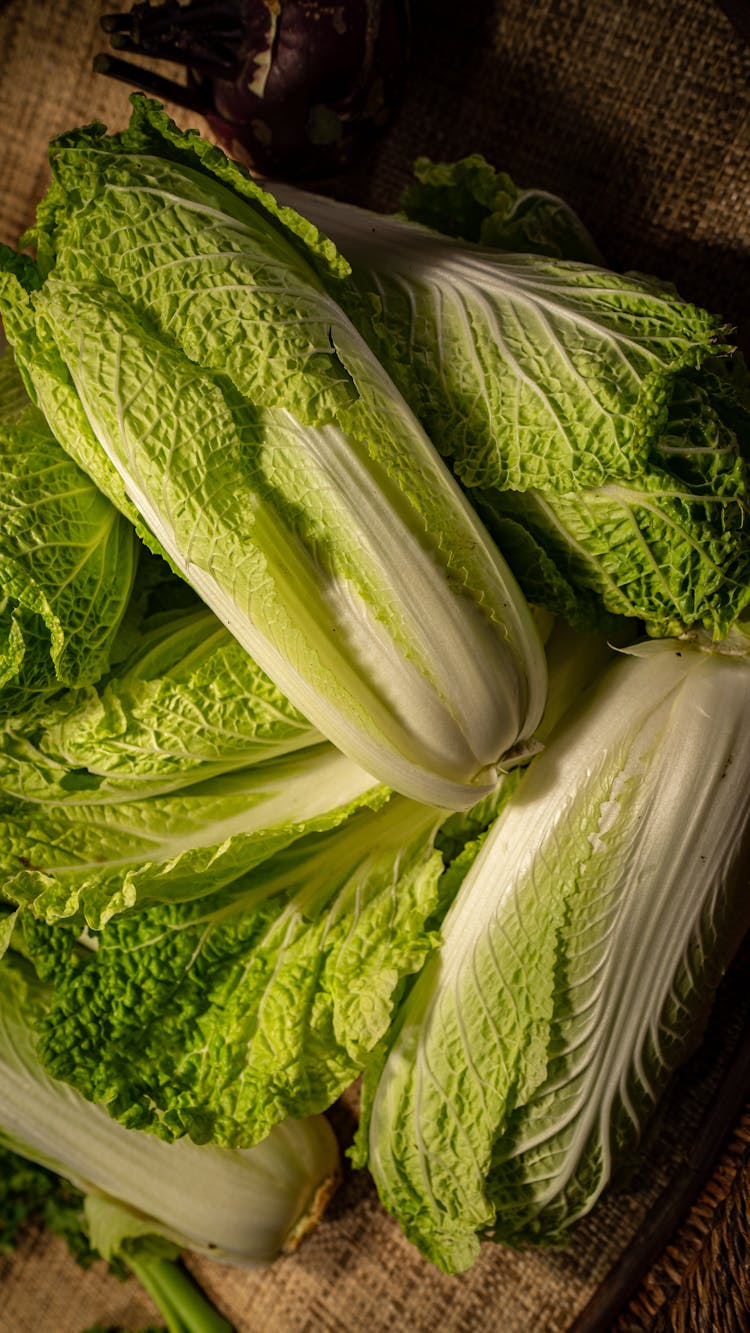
<point>178,1298</point>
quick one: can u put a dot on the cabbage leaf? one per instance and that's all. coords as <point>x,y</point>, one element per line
<point>67,560</point>
<point>186,704</point>
<point>472,201</point>
<point>96,856</point>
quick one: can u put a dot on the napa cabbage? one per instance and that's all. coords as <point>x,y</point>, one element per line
<point>186,344</point>
<point>578,962</point>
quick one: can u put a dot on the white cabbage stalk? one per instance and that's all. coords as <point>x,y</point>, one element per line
<point>579,961</point>
<point>240,1206</point>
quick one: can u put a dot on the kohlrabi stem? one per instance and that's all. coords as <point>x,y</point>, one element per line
<point>179,1299</point>
<point>196,57</point>
<point>155,84</point>
<point>148,20</point>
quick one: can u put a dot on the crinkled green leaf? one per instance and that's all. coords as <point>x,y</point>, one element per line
<point>7,925</point>
<point>150,132</point>
<point>469,199</point>
<point>223,1017</point>
<point>67,559</point>
<point>51,387</point>
<point>654,548</point>
<point>671,548</point>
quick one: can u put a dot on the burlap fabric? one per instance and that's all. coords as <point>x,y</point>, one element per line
<point>639,113</point>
